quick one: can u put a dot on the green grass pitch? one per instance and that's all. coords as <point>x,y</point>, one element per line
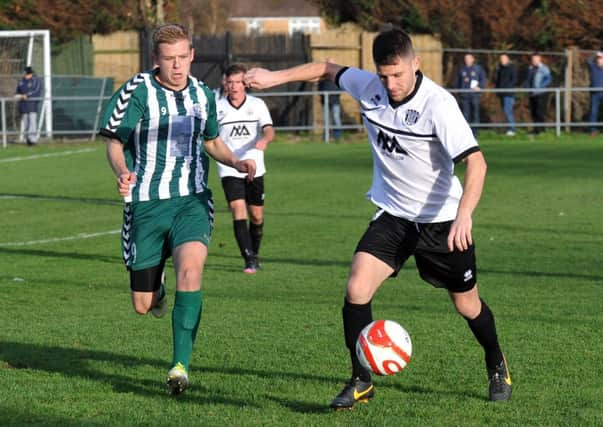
<point>270,349</point>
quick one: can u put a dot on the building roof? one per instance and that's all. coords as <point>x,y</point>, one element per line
<point>272,8</point>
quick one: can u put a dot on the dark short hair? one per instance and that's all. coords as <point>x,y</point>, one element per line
<point>28,70</point>
<point>390,45</point>
<point>235,69</point>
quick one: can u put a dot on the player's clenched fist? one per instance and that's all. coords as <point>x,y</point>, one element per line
<point>246,166</point>
<point>124,183</point>
<point>259,78</point>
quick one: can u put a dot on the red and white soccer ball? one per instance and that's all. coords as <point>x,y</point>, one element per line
<point>384,347</point>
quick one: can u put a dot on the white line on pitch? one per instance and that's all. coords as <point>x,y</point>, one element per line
<point>39,156</point>
<point>61,239</point>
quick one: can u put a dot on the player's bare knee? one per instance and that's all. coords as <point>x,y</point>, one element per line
<point>256,214</point>
<point>356,293</point>
<point>188,278</point>
<point>256,218</point>
<point>468,307</point>
<point>142,310</point>
<point>141,307</point>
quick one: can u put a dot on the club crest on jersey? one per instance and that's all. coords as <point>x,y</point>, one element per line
<point>411,117</point>
<point>198,110</point>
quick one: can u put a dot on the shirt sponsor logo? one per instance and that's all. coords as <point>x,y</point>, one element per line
<point>239,131</point>
<point>389,144</point>
<point>411,117</point>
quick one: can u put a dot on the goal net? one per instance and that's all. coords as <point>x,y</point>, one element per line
<point>19,49</point>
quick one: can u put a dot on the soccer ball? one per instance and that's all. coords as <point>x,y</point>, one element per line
<point>384,347</point>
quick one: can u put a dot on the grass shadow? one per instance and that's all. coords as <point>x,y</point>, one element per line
<point>276,260</point>
<point>71,256</point>
<point>71,362</point>
<point>40,197</point>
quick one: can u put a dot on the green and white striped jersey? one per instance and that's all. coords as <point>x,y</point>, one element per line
<point>163,133</point>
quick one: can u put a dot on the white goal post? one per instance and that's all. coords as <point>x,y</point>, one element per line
<point>36,55</point>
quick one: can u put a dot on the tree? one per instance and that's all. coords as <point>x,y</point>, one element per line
<point>204,16</point>
<point>67,19</point>
<point>519,24</point>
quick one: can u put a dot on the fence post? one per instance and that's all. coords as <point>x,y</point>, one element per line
<point>569,77</point>
<point>558,112</point>
<point>228,48</point>
<point>3,113</point>
<point>98,108</point>
<point>326,114</point>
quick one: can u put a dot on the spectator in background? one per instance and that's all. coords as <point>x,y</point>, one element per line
<point>595,66</point>
<point>334,109</point>
<point>539,77</point>
<point>471,76</point>
<point>506,78</point>
<point>28,90</point>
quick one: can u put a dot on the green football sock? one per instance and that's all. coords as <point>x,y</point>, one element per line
<point>185,323</point>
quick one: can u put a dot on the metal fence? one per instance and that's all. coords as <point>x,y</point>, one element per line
<point>88,128</point>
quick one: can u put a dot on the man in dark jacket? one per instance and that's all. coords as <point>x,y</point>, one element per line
<point>473,77</point>
<point>595,66</point>
<point>506,78</point>
<point>28,90</point>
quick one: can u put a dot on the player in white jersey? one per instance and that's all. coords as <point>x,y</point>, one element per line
<point>416,133</point>
<point>161,125</point>
<point>246,127</point>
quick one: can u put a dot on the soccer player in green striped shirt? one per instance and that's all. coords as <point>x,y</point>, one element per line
<point>161,125</point>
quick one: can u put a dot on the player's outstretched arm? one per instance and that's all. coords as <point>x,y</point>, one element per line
<point>260,78</point>
<point>117,161</point>
<point>475,175</point>
<point>221,153</point>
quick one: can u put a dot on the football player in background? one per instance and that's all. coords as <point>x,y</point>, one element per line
<point>246,128</point>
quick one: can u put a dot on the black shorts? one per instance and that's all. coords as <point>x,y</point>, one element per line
<point>393,240</point>
<point>239,188</point>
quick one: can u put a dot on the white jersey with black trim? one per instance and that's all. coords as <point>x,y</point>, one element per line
<point>414,144</point>
<point>240,128</point>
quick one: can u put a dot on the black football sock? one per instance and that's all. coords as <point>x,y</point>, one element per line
<point>355,318</point>
<point>256,231</point>
<point>484,329</point>
<point>243,239</point>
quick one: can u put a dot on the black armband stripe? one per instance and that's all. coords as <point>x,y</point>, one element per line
<point>108,134</point>
<point>466,153</point>
<point>338,76</point>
